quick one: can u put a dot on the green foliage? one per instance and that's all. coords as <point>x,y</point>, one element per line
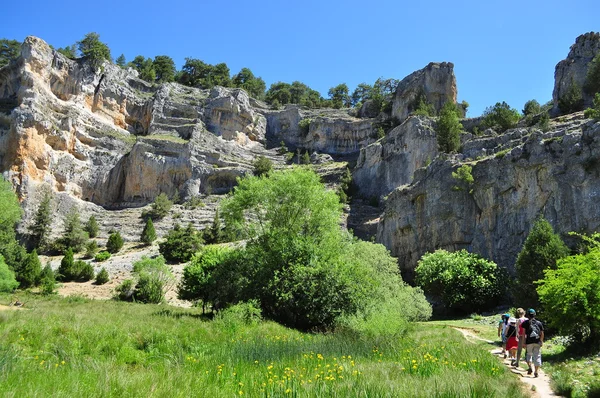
<point>541,250</point>
<point>361,94</point>
<point>93,50</point>
<point>161,207</point>
<point>197,283</point>
<point>149,233</point>
<point>91,227</point>
<point>339,96</point>
<point>10,214</point>
<point>69,51</point>
<point>594,112</point>
<point>28,271</point>
<point>8,282</point>
<point>449,128</point>
<point>86,271</point>
<point>420,106</point>
<point>41,222</point>
<point>465,176</point>
<point>305,158</point>
<point>145,68</point>
<point>74,236</point>
<point>66,270</point>
<point>254,86</point>
<point>461,281</point>
<point>121,61</point>
<point>592,81</point>
<point>531,107</point>
<point>275,104</point>
<point>570,297</point>
<point>238,315</point>
<point>115,242</point>
<point>195,202</point>
<point>196,73</point>
<point>500,117</point>
<point>572,100</point>
<point>295,93</point>
<point>303,270</point>
<point>181,243</point>
<point>154,279</point>
<point>215,233</point>
<point>9,50</point>
<point>164,68</point>
<point>346,187</point>
<point>262,166</point>
<point>544,121</point>
<point>304,125</point>
<point>47,280</point>
<point>102,277</point>
<point>102,256</point>
<point>124,292</point>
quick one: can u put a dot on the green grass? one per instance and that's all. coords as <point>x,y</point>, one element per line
<point>76,347</point>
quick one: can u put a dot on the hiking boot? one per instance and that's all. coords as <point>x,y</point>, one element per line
<point>513,362</point>
<point>535,374</point>
<point>529,371</point>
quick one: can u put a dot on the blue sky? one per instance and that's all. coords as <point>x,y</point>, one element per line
<point>501,50</point>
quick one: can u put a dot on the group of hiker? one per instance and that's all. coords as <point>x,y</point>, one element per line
<point>522,331</point>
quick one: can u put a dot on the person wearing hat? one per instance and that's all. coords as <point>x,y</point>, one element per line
<point>502,325</point>
<point>534,339</point>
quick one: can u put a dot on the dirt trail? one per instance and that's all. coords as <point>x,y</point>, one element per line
<point>537,386</point>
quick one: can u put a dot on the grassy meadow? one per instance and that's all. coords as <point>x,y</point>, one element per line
<point>65,347</point>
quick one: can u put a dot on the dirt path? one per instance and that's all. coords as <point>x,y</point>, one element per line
<point>537,386</point>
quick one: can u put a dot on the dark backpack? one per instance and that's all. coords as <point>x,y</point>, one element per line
<point>534,330</point>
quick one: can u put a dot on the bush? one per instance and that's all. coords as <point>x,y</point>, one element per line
<point>572,100</point>
<point>448,128</point>
<point>114,243</point>
<point>570,297</point>
<point>461,281</point>
<point>420,106</point>
<point>304,125</point>
<point>540,251</point>
<point>262,166</point>
<point>544,122</point>
<point>124,292</point>
<point>195,202</point>
<point>91,248</point>
<point>242,314</point>
<point>154,280</point>
<point>160,207</point>
<point>8,283</point>
<point>592,81</point>
<point>500,117</point>
<point>47,280</point>
<point>594,112</point>
<point>74,236</point>
<point>149,233</point>
<point>28,271</point>
<point>465,176</point>
<point>531,108</point>
<point>215,233</point>
<point>66,269</point>
<point>91,227</point>
<point>102,256</point>
<point>180,244</point>
<point>41,225</point>
<point>102,277</point>
<point>94,51</point>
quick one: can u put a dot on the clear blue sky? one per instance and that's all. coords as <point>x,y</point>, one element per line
<point>501,50</point>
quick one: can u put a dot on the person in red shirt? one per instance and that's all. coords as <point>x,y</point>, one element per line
<point>520,335</point>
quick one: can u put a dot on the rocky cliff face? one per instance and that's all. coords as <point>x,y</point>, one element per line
<point>573,69</point>
<point>392,161</point>
<point>555,175</point>
<point>436,81</point>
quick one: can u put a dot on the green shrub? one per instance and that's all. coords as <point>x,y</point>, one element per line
<point>91,227</point>
<point>594,112</point>
<point>461,281</point>
<point>420,106</point>
<point>66,269</point>
<point>154,280</point>
<point>464,175</point>
<point>214,234</point>
<point>86,271</point>
<point>41,224</point>
<point>93,50</point>
<point>245,313</point>
<point>448,128</point>
<point>115,242</point>
<point>28,271</point>
<point>262,166</point>
<point>8,283</point>
<point>544,122</point>
<point>74,236</point>
<point>102,256</point>
<point>102,277</point>
<point>592,81</point>
<point>160,207</point>
<point>569,293</point>
<point>541,249</point>
<point>500,117</point>
<point>305,159</point>
<point>124,292</point>
<point>47,280</point>
<point>149,233</point>
<point>195,202</point>
<point>91,248</point>
<point>304,125</point>
<point>572,100</point>
<point>180,244</point>
<point>531,107</point>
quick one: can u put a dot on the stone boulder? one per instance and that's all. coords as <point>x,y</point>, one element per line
<point>573,69</point>
<point>436,81</point>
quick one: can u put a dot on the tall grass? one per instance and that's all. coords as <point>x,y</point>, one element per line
<point>66,348</point>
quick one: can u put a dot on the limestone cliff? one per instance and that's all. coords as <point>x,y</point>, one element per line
<point>573,69</point>
<point>555,175</point>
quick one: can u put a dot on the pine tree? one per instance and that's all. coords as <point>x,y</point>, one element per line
<point>91,227</point>
<point>29,271</point>
<point>47,280</point>
<point>121,61</point>
<point>114,243</point>
<point>214,234</point>
<point>148,234</point>
<point>74,236</point>
<point>448,129</point>
<point>66,269</point>
<point>41,223</point>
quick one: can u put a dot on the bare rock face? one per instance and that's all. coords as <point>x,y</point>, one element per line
<point>573,69</point>
<point>555,175</point>
<point>391,162</point>
<point>436,81</point>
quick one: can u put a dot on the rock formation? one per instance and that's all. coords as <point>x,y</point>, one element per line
<point>573,69</point>
<point>436,81</point>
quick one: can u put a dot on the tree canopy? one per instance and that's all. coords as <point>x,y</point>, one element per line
<point>9,50</point>
<point>95,51</point>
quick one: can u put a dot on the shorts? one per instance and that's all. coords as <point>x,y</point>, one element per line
<point>534,353</point>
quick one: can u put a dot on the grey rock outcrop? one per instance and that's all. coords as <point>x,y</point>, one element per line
<point>573,69</point>
<point>555,175</point>
<point>391,162</point>
<point>436,81</point>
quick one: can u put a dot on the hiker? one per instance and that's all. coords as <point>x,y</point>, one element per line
<point>512,341</point>
<point>501,328</point>
<point>520,335</point>
<point>534,339</point>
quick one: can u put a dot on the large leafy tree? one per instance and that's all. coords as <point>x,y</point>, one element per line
<point>9,50</point>
<point>196,73</point>
<point>295,93</point>
<point>10,214</point>
<point>500,116</point>
<point>339,96</point>
<point>255,86</point>
<point>74,235</point>
<point>541,250</point>
<point>145,68</point>
<point>95,51</point>
<point>164,67</point>
<point>448,128</point>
